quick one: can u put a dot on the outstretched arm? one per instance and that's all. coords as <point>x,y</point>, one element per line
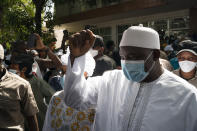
<point>79,92</point>
<point>53,62</point>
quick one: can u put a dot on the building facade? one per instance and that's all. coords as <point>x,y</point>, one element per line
<point>109,18</point>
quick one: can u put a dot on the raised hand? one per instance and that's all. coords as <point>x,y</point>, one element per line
<point>80,43</point>
<point>39,43</point>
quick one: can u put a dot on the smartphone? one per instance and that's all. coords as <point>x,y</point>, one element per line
<point>31,43</point>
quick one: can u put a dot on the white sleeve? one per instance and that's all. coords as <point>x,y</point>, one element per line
<point>191,117</point>
<point>80,93</point>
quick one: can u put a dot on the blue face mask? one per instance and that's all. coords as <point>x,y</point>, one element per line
<point>134,70</point>
<point>13,71</point>
<point>62,81</point>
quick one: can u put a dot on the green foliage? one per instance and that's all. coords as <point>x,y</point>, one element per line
<point>47,37</point>
<point>48,19</point>
<point>18,21</point>
<point>6,3</point>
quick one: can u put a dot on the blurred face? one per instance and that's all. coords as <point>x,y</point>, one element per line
<point>112,48</point>
<point>138,63</point>
<point>99,49</point>
<point>186,56</point>
<point>14,68</point>
<point>136,53</point>
<point>187,62</point>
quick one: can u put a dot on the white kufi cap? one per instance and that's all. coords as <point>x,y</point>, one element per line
<point>139,36</point>
<point>1,52</point>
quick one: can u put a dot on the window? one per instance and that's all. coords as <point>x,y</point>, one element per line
<point>179,26</point>
<point>105,32</point>
<point>178,23</point>
<point>120,30</point>
<point>160,25</point>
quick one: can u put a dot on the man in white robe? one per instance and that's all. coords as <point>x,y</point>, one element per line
<point>141,97</point>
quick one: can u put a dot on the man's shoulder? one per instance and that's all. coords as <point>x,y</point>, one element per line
<point>176,90</point>
<point>172,77</point>
<point>113,73</point>
<point>176,72</point>
<point>177,83</point>
<point>17,79</point>
<point>106,58</point>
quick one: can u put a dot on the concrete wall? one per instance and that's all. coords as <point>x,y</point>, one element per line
<point>193,19</point>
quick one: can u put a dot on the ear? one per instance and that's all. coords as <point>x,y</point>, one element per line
<point>156,55</point>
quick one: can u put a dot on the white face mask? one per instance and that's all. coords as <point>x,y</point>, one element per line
<point>187,66</point>
<point>93,52</point>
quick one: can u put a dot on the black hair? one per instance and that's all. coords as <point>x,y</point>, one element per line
<point>98,41</point>
<point>87,27</point>
<point>109,44</point>
<point>187,44</point>
<point>19,46</point>
<point>28,69</point>
<point>65,32</point>
<point>47,75</point>
<point>25,60</point>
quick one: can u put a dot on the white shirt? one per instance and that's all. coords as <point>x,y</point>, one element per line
<point>166,104</point>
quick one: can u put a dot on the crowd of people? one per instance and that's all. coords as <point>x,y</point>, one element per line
<point>148,83</point>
